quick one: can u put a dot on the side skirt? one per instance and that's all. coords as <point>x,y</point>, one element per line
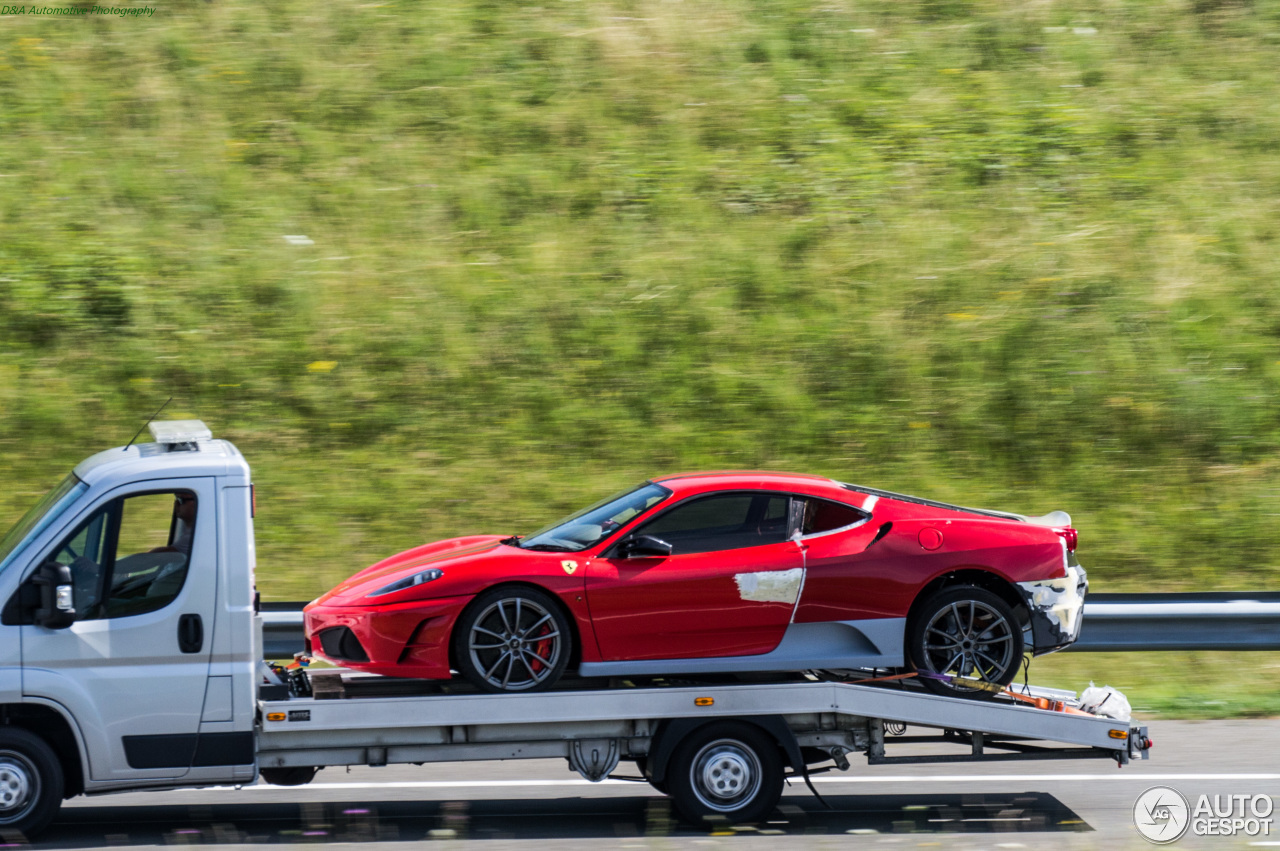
<point>876,643</point>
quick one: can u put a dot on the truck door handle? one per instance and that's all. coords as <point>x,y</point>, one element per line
<point>190,633</point>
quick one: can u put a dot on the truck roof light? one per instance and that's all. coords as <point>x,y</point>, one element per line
<point>179,434</point>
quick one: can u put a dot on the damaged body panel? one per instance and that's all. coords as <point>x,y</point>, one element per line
<point>1056,607</point>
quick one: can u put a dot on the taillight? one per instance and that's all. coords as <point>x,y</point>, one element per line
<point>1069,535</point>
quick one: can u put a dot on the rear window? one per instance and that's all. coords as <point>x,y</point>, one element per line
<point>823,516</point>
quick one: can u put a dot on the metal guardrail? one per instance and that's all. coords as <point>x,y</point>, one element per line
<point>1233,620</point>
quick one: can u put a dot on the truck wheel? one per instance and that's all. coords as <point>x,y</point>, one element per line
<point>30,782</point>
<point>296,775</point>
<point>725,771</point>
<point>513,639</point>
<point>966,632</point>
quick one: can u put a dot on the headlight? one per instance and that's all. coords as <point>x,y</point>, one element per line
<point>409,581</point>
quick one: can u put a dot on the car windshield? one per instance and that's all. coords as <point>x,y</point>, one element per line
<point>35,521</point>
<point>592,525</point>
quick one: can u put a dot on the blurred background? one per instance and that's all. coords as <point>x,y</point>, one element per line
<point>460,267</point>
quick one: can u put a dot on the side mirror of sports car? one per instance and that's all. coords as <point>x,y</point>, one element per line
<point>644,546</point>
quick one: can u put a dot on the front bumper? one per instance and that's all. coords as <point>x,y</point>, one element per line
<point>1056,607</point>
<point>402,640</point>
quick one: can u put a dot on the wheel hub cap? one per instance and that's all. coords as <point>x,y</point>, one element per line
<point>726,776</point>
<point>15,786</point>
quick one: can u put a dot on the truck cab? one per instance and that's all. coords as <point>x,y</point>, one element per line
<point>127,633</point>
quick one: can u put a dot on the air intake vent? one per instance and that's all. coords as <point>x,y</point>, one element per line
<point>341,643</point>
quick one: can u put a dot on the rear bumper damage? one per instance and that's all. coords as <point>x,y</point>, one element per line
<point>1056,607</point>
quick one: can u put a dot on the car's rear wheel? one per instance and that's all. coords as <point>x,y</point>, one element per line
<point>513,639</point>
<point>965,633</point>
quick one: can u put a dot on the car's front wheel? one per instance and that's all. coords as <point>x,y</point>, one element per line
<point>964,634</point>
<point>513,639</point>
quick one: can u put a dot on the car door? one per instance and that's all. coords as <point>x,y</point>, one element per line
<point>844,579</point>
<point>728,588</point>
<point>133,667</point>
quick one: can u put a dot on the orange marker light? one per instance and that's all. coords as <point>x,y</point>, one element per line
<point>704,701</point>
<point>275,716</point>
<point>1118,734</point>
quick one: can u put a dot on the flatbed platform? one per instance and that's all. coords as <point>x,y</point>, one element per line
<point>815,720</point>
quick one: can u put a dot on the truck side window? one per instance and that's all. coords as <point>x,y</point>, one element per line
<point>152,552</point>
<point>131,556</point>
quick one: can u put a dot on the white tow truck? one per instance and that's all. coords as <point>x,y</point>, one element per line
<point>131,658</point>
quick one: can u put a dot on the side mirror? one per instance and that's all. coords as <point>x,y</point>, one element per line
<point>57,607</point>
<point>644,546</point>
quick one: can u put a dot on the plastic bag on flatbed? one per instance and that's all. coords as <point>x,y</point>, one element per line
<point>1107,702</point>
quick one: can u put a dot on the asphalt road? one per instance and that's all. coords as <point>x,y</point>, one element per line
<point>1075,804</point>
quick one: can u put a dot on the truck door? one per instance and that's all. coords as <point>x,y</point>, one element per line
<point>133,667</point>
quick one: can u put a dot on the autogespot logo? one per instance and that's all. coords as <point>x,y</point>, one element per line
<point>1161,815</point>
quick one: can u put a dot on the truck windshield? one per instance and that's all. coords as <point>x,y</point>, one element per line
<point>35,521</point>
<point>592,525</point>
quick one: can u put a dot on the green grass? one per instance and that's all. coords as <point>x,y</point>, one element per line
<point>1173,684</point>
<point>1013,255</point>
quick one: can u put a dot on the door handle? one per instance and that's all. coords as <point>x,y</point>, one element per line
<point>190,633</point>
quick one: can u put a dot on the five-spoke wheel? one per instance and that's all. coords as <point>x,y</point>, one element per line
<point>967,633</point>
<point>513,639</point>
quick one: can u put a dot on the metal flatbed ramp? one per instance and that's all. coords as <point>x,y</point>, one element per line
<point>471,726</point>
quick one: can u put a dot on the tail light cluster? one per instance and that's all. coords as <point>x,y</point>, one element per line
<point>1069,535</point>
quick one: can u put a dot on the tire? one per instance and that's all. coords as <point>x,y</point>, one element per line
<point>296,775</point>
<point>513,639</point>
<point>727,771</point>
<point>31,782</point>
<point>966,631</point>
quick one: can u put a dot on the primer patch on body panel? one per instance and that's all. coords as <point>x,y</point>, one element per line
<point>771,586</point>
<point>1057,605</point>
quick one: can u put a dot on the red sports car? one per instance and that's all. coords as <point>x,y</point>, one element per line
<point>720,573</point>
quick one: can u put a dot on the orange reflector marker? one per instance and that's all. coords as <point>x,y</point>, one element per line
<point>275,716</point>
<point>704,701</point>
<point>1118,734</point>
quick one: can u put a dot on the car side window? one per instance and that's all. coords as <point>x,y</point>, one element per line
<point>131,556</point>
<point>821,516</point>
<point>726,522</point>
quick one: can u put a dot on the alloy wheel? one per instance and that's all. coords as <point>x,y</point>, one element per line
<point>515,644</point>
<point>969,638</point>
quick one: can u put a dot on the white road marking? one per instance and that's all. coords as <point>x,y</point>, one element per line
<point>942,778</point>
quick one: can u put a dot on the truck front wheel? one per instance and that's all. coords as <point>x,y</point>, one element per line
<point>31,782</point>
<point>727,771</point>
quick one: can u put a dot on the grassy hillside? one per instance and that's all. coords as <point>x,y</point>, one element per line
<point>1013,255</point>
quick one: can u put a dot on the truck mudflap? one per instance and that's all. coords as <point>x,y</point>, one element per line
<point>1056,607</point>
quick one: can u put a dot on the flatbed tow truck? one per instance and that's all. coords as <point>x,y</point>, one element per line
<point>131,658</point>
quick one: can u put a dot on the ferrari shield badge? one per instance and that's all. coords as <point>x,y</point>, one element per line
<point>569,565</point>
